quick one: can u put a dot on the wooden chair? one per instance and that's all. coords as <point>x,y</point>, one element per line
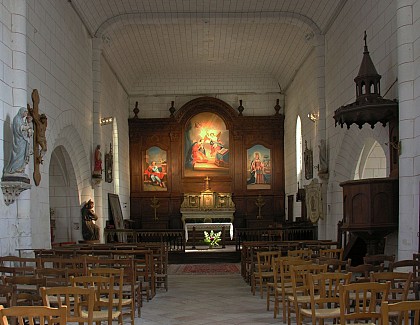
<point>131,287</point>
<point>285,289</point>
<point>332,253</point>
<point>300,287</point>
<point>302,253</point>
<point>408,312</point>
<point>360,302</point>
<point>409,266</point>
<point>32,315</point>
<point>27,289</point>
<point>8,295</point>
<point>105,309</point>
<point>264,273</point>
<point>118,275</point>
<point>324,294</point>
<point>80,302</point>
<point>361,273</point>
<point>54,277</point>
<point>274,285</point>
<point>334,265</point>
<point>400,284</point>
<point>385,260</point>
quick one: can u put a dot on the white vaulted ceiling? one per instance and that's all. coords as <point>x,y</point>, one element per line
<point>187,38</point>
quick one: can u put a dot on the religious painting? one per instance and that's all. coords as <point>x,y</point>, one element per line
<point>109,159</point>
<point>258,168</point>
<point>308,159</point>
<point>155,176</point>
<point>206,149</point>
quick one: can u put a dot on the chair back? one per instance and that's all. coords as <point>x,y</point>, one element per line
<point>32,315</point>
<point>80,302</point>
<point>302,253</point>
<point>361,273</point>
<point>54,277</point>
<point>265,260</point>
<point>104,289</point>
<point>8,295</point>
<point>361,301</point>
<point>409,266</point>
<point>27,289</point>
<point>400,284</point>
<point>408,312</point>
<point>334,265</point>
<point>332,253</point>
<point>324,288</point>
<point>379,259</point>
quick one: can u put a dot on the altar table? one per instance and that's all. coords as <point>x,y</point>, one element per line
<point>207,226</point>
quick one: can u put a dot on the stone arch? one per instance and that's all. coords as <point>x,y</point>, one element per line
<point>349,144</point>
<point>63,197</point>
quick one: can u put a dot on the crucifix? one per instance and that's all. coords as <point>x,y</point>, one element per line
<point>207,185</point>
<point>259,202</point>
<point>155,204</point>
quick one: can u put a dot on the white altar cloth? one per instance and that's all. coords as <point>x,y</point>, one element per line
<point>207,226</point>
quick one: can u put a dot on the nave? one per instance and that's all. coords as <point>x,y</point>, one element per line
<point>206,299</point>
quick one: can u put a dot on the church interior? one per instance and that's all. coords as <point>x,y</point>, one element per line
<point>210,124</point>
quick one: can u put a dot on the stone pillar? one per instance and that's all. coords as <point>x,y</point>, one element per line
<point>97,136</point>
<point>408,183</point>
<point>21,236</point>
<point>321,135</point>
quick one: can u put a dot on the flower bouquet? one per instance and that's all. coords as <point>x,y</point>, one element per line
<point>212,238</point>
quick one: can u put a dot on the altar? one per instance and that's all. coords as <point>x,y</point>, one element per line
<point>206,226</point>
<point>207,207</point>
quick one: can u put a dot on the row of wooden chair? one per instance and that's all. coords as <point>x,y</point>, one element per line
<point>250,249</point>
<point>56,271</point>
<point>106,299</point>
<point>274,275</point>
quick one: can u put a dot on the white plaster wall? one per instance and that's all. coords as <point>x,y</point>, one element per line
<point>114,102</point>
<point>15,230</point>
<point>301,99</point>
<point>343,56</point>
<point>344,48</point>
<point>8,215</point>
<point>59,66</point>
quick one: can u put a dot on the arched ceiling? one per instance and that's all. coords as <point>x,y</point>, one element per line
<point>186,38</point>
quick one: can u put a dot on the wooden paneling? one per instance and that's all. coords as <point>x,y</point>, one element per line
<point>168,134</point>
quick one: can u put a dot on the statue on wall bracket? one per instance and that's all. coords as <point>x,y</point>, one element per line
<point>14,180</point>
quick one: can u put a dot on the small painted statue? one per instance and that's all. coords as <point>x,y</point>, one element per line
<point>90,230</point>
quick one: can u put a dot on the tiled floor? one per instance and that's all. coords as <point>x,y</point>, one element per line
<point>206,299</point>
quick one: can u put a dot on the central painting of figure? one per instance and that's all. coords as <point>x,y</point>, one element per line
<point>206,146</point>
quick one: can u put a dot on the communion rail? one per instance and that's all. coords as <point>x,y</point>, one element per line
<point>174,239</point>
<point>285,233</point>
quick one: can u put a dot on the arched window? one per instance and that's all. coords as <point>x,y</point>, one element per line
<point>298,149</point>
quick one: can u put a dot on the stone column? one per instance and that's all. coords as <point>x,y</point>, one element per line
<point>408,183</point>
<point>321,135</point>
<point>97,136</point>
<point>21,235</point>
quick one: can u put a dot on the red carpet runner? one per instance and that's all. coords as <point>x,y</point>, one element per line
<point>223,268</point>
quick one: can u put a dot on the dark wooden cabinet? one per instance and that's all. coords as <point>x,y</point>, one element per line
<point>168,134</point>
<point>371,209</point>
